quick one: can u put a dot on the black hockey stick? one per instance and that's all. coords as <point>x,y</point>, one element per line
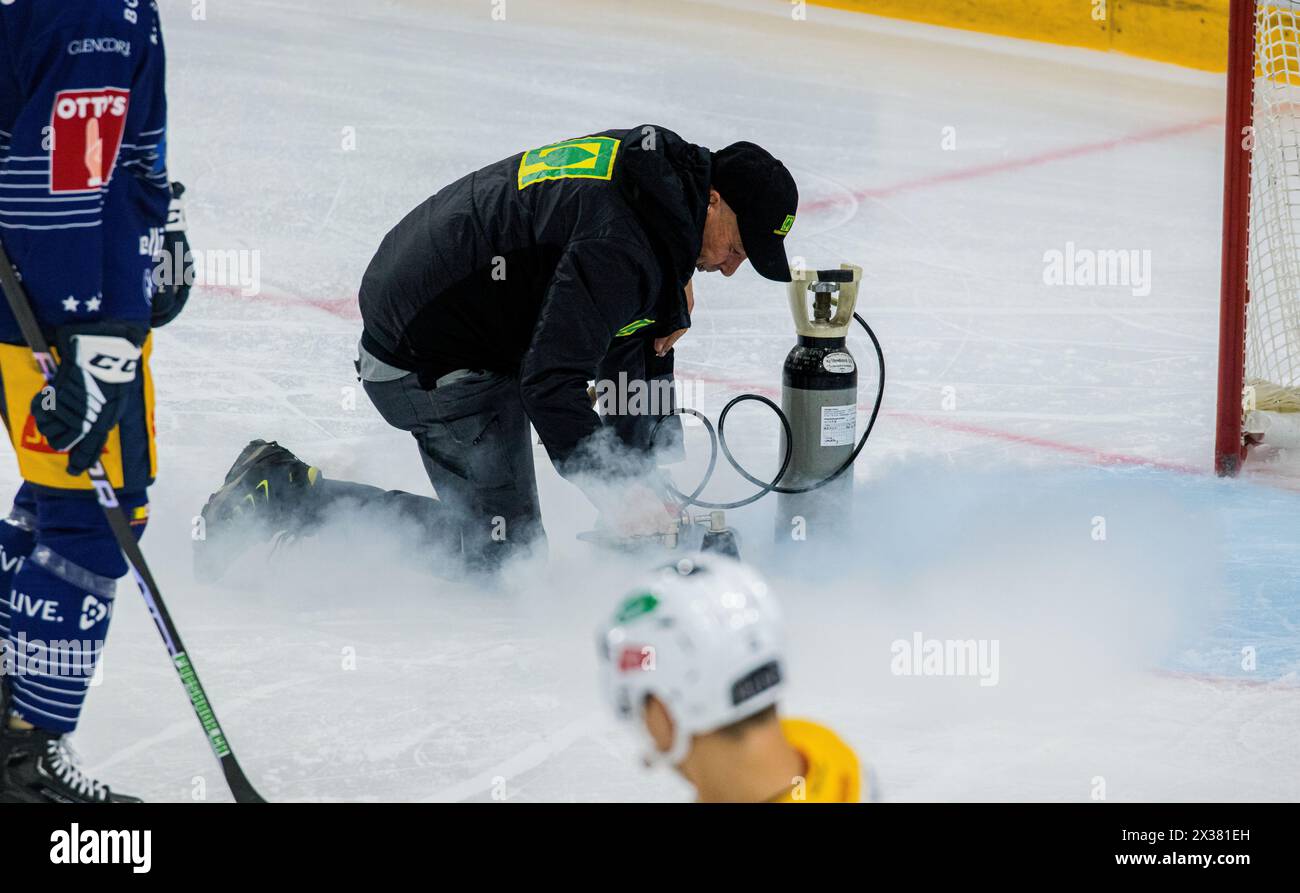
<point>239,784</point>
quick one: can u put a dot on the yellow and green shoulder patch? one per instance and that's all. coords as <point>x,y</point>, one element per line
<point>590,157</point>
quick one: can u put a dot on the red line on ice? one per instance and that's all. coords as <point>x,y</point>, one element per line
<point>1096,456</point>
<point>1011,164</point>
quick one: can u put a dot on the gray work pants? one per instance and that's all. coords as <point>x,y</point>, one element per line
<point>473,437</point>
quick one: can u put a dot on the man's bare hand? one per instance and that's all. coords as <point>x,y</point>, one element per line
<point>665,344</point>
<point>638,510</point>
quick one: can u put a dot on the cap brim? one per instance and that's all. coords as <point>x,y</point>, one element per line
<point>768,256</point>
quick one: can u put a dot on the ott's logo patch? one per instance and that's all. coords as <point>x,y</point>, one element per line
<point>589,157</point>
<point>784,228</point>
<point>86,128</point>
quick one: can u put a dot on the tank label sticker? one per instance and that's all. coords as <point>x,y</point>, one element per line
<point>838,424</point>
<point>840,361</point>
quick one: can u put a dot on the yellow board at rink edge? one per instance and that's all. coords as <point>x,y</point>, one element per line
<point>1192,33</point>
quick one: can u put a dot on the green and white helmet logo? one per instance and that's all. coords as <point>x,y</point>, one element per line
<point>636,606</point>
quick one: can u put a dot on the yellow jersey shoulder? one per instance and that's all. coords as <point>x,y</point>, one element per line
<point>833,774</point>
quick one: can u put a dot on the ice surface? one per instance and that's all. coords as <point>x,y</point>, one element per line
<point>1017,413</point>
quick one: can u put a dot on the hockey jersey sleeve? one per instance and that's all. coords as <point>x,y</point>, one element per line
<point>83,181</point>
<point>599,288</point>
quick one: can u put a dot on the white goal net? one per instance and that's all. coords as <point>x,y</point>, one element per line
<point>1273,309</point>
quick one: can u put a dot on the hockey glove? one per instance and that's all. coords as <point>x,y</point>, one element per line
<point>98,363</point>
<point>169,300</point>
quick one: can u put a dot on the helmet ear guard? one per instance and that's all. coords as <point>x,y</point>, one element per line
<point>678,748</point>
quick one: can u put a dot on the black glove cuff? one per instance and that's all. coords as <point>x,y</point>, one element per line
<point>133,332</point>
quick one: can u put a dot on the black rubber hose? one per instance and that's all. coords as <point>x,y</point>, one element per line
<point>719,438</point>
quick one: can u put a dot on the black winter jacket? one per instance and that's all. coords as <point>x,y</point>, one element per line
<point>539,264</point>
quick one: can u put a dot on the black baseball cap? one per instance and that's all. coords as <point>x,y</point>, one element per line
<point>762,193</point>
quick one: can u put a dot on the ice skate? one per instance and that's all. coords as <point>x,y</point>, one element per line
<point>37,766</point>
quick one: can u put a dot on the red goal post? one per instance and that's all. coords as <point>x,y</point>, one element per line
<point>1259,321</point>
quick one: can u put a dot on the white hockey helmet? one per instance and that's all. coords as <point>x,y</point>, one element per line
<point>703,635</point>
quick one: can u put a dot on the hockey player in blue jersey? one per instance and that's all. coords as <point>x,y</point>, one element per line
<point>84,218</point>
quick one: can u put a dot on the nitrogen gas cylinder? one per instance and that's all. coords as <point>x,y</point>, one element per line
<point>819,396</point>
